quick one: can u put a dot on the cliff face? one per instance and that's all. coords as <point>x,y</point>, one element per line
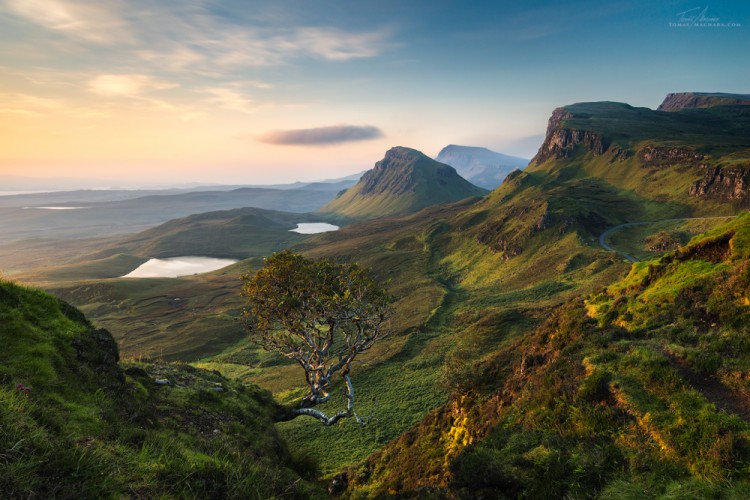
<point>654,156</point>
<point>731,184</point>
<point>559,142</point>
<point>692,100</point>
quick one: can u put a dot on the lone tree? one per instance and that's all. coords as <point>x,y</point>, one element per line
<point>319,313</point>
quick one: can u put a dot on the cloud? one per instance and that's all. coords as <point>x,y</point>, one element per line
<point>321,136</point>
<point>35,106</point>
<point>231,100</point>
<point>127,85</point>
<point>337,45</point>
<point>89,21</point>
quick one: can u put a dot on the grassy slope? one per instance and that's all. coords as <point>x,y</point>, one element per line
<point>240,233</point>
<point>638,390</point>
<point>454,294</point>
<point>73,424</point>
<point>660,191</point>
<point>425,182</point>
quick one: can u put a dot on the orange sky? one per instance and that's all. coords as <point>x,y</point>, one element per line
<point>147,91</point>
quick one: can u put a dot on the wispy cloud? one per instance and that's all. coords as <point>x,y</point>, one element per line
<point>321,136</point>
<point>230,99</point>
<point>191,37</point>
<point>127,85</point>
<point>35,106</point>
<point>95,22</point>
<point>334,44</point>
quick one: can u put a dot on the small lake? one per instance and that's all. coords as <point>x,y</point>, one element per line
<point>314,227</point>
<point>174,267</point>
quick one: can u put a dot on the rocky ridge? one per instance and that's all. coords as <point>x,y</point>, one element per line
<point>560,142</point>
<point>691,100</point>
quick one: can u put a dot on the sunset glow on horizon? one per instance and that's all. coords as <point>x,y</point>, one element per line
<point>263,92</point>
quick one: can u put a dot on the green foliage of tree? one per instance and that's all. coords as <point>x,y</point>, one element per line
<point>319,313</point>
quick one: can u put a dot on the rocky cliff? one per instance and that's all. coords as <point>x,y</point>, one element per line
<point>730,184</point>
<point>656,156</point>
<point>560,142</point>
<point>690,100</point>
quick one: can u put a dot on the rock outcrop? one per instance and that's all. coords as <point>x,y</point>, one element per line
<point>692,100</point>
<point>659,156</point>
<point>720,183</point>
<point>560,142</point>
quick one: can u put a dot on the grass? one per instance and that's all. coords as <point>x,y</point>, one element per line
<point>75,424</point>
<point>404,181</point>
<point>635,240</point>
<point>607,396</point>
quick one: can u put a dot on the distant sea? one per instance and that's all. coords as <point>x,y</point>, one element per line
<point>11,193</point>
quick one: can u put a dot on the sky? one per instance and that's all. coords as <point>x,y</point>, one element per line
<point>251,92</point>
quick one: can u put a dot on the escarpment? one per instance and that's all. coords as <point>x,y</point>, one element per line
<point>560,142</point>
<point>724,183</point>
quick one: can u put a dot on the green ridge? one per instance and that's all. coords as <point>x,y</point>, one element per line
<point>75,424</point>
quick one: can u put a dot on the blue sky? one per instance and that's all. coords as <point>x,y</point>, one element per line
<point>249,91</point>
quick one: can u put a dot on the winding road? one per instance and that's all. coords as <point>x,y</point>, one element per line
<point>603,237</point>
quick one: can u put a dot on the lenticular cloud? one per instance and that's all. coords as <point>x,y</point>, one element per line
<point>335,134</point>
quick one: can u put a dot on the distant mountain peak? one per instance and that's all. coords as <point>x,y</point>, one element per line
<point>395,173</point>
<point>404,181</point>
<point>480,166</point>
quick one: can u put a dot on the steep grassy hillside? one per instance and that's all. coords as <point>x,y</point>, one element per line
<point>404,181</point>
<point>75,424</point>
<point>638,390</point>
<point>505,261</point>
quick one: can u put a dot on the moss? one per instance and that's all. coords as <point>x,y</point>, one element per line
<point>73,425</point>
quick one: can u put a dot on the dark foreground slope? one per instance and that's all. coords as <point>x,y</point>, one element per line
<point>76,424</point>
<point>404,181</point>
<point>639,390</point>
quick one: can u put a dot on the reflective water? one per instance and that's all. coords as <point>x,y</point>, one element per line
<point>175,267</point>
<point>314,227</point>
